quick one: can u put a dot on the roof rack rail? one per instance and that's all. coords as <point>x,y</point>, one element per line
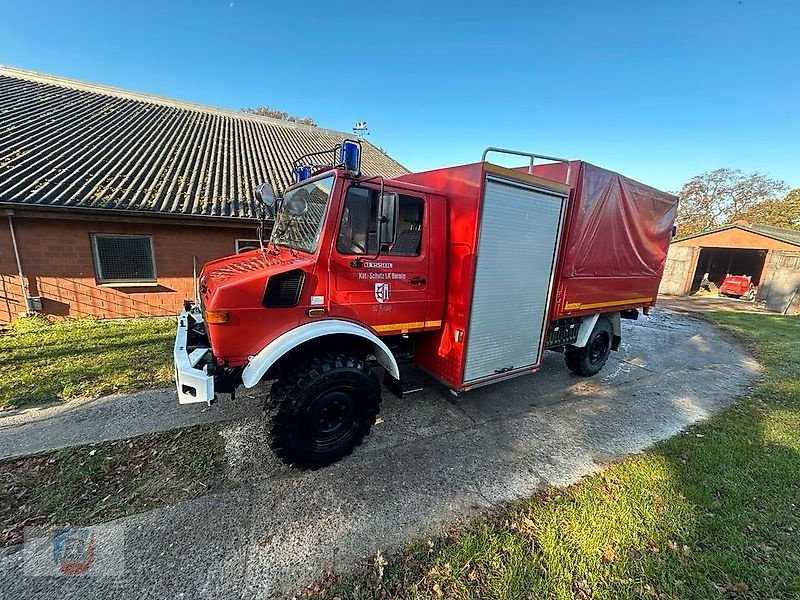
<point>529,155</point>
<point>347,155</point>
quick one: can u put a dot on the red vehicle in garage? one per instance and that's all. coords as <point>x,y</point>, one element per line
<point>470,272</point>
<point>739,286</point>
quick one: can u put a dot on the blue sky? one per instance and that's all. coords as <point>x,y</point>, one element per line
<point>659,91</point>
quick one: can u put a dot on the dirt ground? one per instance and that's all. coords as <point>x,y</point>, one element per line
<point>707,302</point>
<point>432,459</point>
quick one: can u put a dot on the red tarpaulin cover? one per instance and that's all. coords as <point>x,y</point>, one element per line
<point>615,226</point>
<point>615,240</point>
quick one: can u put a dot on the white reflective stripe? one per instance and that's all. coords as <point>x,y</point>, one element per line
<point>272,352</point>
<point>587,326</point>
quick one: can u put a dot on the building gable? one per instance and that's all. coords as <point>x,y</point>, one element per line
<point>736,236</point>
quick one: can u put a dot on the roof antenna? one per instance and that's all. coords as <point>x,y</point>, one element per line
<point>361,129</point>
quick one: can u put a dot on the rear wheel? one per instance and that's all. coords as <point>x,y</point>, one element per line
<point>590,359</point>
<point>325,407</point>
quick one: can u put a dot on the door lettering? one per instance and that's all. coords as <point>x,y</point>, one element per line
<point>380,275</point>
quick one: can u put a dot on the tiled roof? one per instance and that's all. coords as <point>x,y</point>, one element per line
<point>790,236</point>
<point>65,143</point>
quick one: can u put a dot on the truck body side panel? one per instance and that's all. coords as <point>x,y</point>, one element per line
<point>441,353</point>
<point>519,231</point>
<point>444,353</point>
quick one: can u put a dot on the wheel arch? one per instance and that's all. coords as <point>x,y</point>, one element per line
<point>587,326</point>
<point>585,330</point>
<point>330,330</point>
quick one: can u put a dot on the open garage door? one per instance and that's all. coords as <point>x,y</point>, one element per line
<point>781,286</point>
<point>719,262</point>
<point>676,270</point>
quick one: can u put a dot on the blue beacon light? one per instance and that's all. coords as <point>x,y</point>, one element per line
<point>349,156</point>
<point>302,173</point>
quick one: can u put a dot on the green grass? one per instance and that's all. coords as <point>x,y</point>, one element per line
<point>43,360</point>
<point>711,513</point>
<point>98,482</point>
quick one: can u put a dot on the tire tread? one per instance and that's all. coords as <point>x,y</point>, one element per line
<point>287,399</point>
<point>577,359</point>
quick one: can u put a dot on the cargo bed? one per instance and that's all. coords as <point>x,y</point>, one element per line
<point>524,249</point>
<point>615,241</point>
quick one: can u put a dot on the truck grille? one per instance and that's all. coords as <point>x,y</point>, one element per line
<point>283,290</point>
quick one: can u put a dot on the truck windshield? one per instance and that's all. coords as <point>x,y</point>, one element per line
<point>299,222</point>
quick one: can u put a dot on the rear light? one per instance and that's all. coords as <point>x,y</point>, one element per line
<point>217,317</point>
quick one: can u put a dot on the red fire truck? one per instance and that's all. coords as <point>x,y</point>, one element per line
<point>468,272</point>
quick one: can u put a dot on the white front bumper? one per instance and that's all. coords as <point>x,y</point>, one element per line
<point>194,384</point>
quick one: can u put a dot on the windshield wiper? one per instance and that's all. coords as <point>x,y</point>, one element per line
<point>285,243</point>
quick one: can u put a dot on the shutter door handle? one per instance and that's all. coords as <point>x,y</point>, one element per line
<point>417,281</point>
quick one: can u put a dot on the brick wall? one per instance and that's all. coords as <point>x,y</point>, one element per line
<point>58,265</point>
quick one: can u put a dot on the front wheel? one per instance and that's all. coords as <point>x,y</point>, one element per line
<point>589,360</point>
<point>326,406</point>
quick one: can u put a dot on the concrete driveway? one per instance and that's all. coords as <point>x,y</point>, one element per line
<point>432,459</point>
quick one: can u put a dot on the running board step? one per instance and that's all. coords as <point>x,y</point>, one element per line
<point>410,387</point>
<point>401,388</point>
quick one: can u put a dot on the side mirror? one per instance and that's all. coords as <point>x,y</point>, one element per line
<point>388,217</point>
<point>266,195</point>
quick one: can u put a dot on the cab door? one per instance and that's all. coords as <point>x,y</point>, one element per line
<point>382,285</point>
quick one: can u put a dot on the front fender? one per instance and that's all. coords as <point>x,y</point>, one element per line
<point>259,364</point>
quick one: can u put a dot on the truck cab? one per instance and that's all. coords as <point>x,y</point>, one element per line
<point>353,265</point>
<point>327,259</point>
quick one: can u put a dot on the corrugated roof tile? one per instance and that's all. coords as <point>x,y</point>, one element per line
<point>66,143</point>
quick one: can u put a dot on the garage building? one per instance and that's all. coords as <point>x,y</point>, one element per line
<point>769,255</point>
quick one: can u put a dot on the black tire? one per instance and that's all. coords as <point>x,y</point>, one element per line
<point>590,359</point>
<point>324,407</point>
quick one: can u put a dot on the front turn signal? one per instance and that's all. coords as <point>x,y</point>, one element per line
<point>217,317</point>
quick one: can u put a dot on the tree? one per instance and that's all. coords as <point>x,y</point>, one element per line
<point>266,111</point>
<point>719,197</point>
<point>783,212</point>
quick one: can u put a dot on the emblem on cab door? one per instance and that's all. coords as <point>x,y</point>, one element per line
<point>382,292</point>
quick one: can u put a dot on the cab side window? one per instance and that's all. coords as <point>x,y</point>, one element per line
<point>358,223</point>
<point>408,238</point>
<point>358,232</point>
